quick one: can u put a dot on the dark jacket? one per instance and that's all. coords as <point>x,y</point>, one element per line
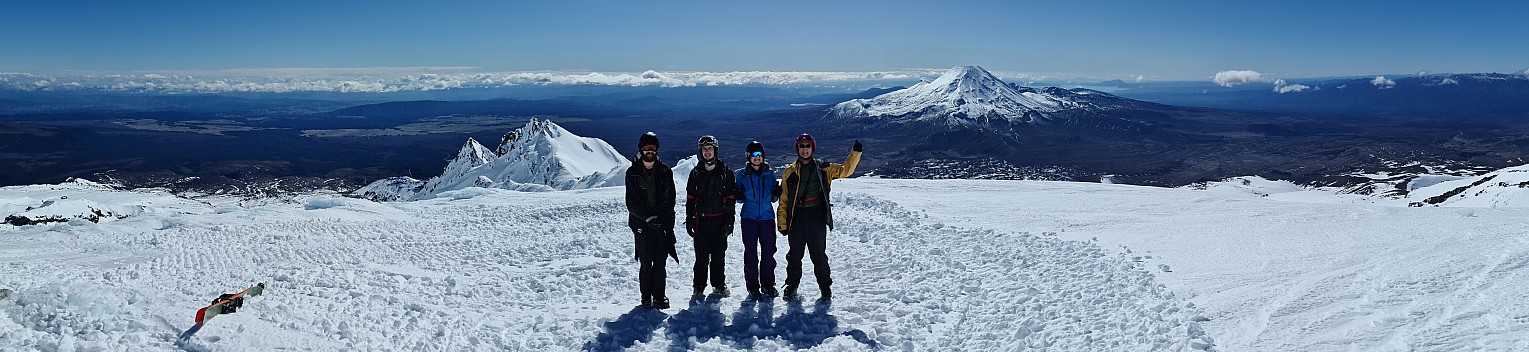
<point>710,194</point>
<point>638,209</point>
<point>790,183</point>
<point>757,190</point>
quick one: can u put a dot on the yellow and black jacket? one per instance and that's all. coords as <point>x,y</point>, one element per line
<point>790,186</point>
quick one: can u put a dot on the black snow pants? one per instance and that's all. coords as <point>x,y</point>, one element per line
<point>809,233</point>
<point>652,250</point>
<point>711,251</point>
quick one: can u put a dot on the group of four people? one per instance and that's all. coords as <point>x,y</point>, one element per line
<point>803,215</point>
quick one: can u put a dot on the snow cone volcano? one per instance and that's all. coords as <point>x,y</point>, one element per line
<point>960,96</point>
<point>967,116</point>
<point>971,96</point>
<point>541,156</point>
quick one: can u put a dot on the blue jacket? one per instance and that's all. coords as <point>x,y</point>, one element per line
<point>757,189</point>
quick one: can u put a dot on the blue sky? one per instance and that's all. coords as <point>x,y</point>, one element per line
<point>1156,39</point>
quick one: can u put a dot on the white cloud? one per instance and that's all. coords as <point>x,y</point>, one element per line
<point>1281,87</point>
<point>1382,82</point>
<point>1230,78</point>
<point>1139,78</point>
<point>381,80</point>
<point>1446,81</point>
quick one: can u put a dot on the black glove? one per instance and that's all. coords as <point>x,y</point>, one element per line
<point>690,228</point>
<point>857,146</point>
<point>653,222</point>
<point>785,232</point>
<point>727,230</point>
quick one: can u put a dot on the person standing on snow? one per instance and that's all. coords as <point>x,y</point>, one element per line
<point>804,215</point>
<point>709,210</point>
<point>650,206</point>
<point>757,189</point>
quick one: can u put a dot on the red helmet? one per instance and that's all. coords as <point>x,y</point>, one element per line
<point>806,139</point>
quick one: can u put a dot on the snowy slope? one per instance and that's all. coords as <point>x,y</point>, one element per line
<point>1508,187</point>
<point>541,156</point>
<point>918,265</point>
<point>76,202</point>
<point>1275,275</point>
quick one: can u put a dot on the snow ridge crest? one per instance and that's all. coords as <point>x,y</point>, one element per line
<point>540,156</point>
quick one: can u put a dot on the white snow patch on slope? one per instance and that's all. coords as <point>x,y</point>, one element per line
<point>1507,187</point>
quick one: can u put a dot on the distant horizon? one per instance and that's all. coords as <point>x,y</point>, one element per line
<point>400,79</point>
<point>1179,41</point>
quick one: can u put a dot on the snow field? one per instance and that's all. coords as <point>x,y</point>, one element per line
<point>934,285</point>
<point>1275,275</point>
<point>496,270</point>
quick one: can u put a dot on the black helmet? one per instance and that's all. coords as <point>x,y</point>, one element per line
<point>646,139</point>
<point>706,141</point>
<point>754,146</point>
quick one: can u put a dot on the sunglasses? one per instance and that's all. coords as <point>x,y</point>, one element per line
<point>756,155</point>
<point>799,146</point>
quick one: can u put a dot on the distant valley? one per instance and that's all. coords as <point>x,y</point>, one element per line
<point>967,124</point>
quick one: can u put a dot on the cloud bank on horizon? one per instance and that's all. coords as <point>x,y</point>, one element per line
<point>402,79</point>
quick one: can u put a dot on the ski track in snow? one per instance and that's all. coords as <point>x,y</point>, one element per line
<point>502,270</point>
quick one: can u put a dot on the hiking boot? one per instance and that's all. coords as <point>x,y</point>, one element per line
<point>647,301</point>
<point>790,293</point>
<point>770,292</point>
<point>661,302</point>
<point>721,291</point>
<point>699,293</point>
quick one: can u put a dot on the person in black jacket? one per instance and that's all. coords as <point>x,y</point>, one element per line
<point>709,215</point>
<point>650,206</point>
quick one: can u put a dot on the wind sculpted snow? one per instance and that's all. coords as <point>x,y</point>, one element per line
<point>498,269</point>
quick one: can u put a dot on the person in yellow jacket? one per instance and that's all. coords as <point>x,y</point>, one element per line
<point>804,214</point>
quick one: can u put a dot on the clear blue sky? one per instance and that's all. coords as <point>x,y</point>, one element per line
<point>1159,39</point>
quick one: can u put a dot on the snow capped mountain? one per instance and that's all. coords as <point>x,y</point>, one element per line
<point>960,95</point>
<point>541,156</point>
<point>971,96</point>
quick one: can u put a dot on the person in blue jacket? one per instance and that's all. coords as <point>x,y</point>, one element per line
<point>757,189</point>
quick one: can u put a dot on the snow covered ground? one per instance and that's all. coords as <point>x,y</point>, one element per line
<point>918,265</point>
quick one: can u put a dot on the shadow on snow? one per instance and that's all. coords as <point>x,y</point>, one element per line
<point>702,320</point>
<point>636,325</point>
